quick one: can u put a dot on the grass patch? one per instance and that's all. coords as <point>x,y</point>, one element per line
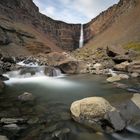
<point>133,45</point>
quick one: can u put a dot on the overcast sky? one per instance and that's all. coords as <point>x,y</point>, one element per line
<point>73,11</point>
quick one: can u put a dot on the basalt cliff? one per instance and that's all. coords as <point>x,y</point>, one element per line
<point>23,30</point>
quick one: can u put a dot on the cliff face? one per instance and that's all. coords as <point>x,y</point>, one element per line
<point>22,24</point>
<point>107,18</point>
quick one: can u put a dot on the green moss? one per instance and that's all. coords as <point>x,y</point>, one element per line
<point>133,45</point>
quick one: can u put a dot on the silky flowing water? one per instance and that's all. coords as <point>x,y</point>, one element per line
<point>54,96</point>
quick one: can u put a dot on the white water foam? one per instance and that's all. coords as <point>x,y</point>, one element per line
<point>112,72</point>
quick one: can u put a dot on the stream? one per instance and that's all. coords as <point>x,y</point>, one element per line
<point>49,114</point>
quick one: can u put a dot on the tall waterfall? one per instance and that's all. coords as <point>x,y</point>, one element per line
<point>81,40</point>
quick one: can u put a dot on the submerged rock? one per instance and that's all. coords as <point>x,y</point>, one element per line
<point>123,76</point>
<point>61,133</point>
<point>26,97</point>
<point>11,127</point>
<point>114,78</point>
<point>135,75</point>
<point>120,85</point>
<point>11,120</point>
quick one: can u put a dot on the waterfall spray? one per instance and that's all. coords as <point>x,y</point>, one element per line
<point>81,40</point>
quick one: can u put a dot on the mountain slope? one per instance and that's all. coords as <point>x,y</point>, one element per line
<point>119,26</point>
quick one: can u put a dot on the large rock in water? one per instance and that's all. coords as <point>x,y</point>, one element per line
<point>94,112</point>
<point>90,107</point>
<point>64,61</point>
<point>69,67</point>
<point>114,78</point>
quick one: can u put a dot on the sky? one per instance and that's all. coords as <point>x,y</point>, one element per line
<point>73,11</point>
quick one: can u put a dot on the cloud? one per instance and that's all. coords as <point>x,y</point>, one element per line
<point>73,11</point>
<point>50,11</point>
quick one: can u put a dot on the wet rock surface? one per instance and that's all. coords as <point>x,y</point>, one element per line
<point>3,137</point>
<point>97,113</point>
<point>114,119</point>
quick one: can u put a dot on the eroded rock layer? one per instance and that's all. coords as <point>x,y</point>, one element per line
<point>22,24</point>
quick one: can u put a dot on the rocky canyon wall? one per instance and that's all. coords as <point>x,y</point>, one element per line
<point>65,36</point>
<point>107,18</point>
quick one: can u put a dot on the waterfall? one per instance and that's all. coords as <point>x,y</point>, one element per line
<point>81,40</point>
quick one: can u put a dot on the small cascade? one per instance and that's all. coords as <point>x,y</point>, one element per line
<point>81,40</point>
<point>112,72</point>
<point>56,72</point>
<point>27,72</point>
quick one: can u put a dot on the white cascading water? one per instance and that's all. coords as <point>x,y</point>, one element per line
<point>81,40</point>
<point>56,72</point>
<point>32,70</point>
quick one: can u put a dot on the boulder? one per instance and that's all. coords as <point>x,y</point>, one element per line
<point>60,134</point>
<point>3,137</point>
<point>135,75</point>
<point>122,66</point>
<point>98,66</point>
<point>64,61</point>
<point>90,111</point>
<point>11,120</point>
<point>69,67</point>
<point>26,97</point>
<point>114,78</point>
<point>134,67</point>
<point>123,76</point>
<point>130,109</point>
<point>120,85</point>
<point>3,78</point>
<point>121,58</point>
<point>11,127</point>
<point>97,113</point>
<point>113,51</point>
<point>114,117</point>
<point>92,107</point>
<point>136,99</point>
<point>8,59</point>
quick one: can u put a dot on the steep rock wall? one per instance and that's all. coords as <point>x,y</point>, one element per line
<point>106,18</point>
<point>63,35</point>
